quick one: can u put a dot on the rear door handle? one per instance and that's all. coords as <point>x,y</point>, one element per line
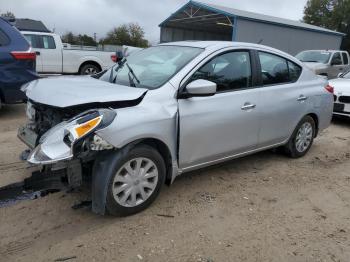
<point>248,106</point>
<point>302,98</point>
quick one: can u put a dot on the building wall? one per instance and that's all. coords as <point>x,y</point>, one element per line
<point>170,34</point>
<point>286,39</point>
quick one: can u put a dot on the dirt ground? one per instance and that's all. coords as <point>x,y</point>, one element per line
<point>264,207</point>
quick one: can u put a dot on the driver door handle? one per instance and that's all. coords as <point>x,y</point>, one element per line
<point>248,106</point>
<point>302,98</point>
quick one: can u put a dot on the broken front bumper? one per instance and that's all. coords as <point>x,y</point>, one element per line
<point>51,147</point>
<point>61,141</point>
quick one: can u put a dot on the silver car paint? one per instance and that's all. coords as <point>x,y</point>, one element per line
<point>72,91</point>
<point>213,129</point>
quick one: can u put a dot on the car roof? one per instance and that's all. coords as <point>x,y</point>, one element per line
<point>217,44</point>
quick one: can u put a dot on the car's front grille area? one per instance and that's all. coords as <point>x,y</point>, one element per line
<point>47,117</point>
<point>344,99</point>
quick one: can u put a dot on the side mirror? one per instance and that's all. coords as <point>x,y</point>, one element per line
<point>199,88</point>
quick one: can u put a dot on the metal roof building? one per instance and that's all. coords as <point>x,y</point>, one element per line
<point>203,21</point>
<point>25,24</point>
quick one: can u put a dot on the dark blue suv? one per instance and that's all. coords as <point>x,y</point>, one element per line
<point>17,64</point>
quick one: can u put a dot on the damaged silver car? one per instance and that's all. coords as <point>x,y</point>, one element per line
<point>167,110</point>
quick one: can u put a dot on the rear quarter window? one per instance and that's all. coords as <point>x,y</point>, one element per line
<point>4,39</point>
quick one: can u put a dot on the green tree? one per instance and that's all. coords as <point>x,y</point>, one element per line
<point>72,39</point>
<point>8,14</point>
<point>331,14</point>
<point>127,34</point>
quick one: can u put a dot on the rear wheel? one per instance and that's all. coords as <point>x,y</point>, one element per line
<point>89,69</point>
<point>302,138</point>
<point>136,181</point>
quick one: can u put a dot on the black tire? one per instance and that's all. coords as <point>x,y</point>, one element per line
<point>117,162</point>
<point>291,147</point>
<point>89,69</point>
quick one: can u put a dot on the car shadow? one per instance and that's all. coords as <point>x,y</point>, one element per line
<point>341,121</point>
<point>12,111</point>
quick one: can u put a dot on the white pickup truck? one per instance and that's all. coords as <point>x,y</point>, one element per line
<point>53,58</point>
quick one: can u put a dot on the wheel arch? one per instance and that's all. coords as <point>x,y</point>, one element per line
<point>89,62</point>
<point>101,169</point>
<point>316,119</point>
<point>164,151</point>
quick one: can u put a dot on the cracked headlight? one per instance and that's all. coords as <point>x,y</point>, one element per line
<point>57,144</point>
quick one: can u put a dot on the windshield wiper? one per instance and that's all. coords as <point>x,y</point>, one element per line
<point>131,79</point>
<point>115,69</point>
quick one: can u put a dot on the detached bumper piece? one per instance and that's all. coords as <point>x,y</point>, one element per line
<point>64,175</point>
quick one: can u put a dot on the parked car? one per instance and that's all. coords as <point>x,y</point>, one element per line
<point>328,63</point>
<point>170,109</point>
<point>342,94</point>
<point>53,58</point>
<point>17,64</point>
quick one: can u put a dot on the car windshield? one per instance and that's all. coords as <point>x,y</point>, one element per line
<point>152,67</point>
<point>314,56</point>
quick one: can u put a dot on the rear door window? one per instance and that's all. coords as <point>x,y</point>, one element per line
<point>278,70</point>
<point>274,69</point>
<point>294,71</point>
<point>345,58</point>
<point>4,39</point>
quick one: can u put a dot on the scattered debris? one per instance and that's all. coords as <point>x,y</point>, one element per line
<point>207,197</point>
<point>139,257</point>
<point>65,258</point>
<point>163,215</point>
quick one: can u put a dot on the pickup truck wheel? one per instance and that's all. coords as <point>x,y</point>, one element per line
<point>302,138</point>
<point>136,180</point>
<point>89,69</point>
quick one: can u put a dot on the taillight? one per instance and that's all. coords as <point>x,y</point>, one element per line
<point>330,89</point>
<point>24,55</point>
<point>114,58</point>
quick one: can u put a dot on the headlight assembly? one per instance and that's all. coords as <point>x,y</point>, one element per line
<point>57,144</point>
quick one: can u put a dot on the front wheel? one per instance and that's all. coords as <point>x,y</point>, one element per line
<point>136,181</point>
<point>302,138</point>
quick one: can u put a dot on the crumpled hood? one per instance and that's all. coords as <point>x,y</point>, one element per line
<point>72,91</point>
<point>341,85</point>
<point>315,66</point>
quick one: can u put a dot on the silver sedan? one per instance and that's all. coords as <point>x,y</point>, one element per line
<point>170,109</point>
